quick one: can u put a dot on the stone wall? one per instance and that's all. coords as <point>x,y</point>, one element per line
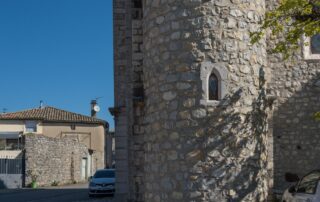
<point>53,159</point>
<point>295,133</point>
<point>129,94</point>
<point>196,151</point>
<point>110,149</point>
<point>137,138</point>
<point>122,92</point>
<point>174,145</point>
<point>98,161</point>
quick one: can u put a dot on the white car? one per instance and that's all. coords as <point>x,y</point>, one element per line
<point>306,189</point>
<point>102,183</point>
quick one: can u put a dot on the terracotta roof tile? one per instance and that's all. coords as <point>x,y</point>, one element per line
<point>51,114</point>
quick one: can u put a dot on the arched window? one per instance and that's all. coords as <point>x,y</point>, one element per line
<point>213,87</point>
<point>214,83</point>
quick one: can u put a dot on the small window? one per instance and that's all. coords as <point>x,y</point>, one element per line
<point>3,144</point>
<point>138,94</point>
<point>137,10</point>
<point>10,144</point>
<point>214,83</point>
<point>315,44</point>
<point>31,126</point>
<point>137,3</point>
<point>311,47</point>
<point>213,87</point>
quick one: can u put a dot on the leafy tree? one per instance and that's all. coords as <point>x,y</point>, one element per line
<point>291,19</point>
<point>317,116</point>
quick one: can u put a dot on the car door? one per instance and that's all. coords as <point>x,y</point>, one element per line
<point>307,189</point>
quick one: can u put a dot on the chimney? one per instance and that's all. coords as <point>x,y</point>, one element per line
<point>41,104</point>
<point>93,108</point>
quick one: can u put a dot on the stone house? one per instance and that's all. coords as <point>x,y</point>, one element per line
<point>201,114</point>
<point>57,145</point>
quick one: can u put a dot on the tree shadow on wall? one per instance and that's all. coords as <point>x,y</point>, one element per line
<point>234,164</point>
<point>296,140</point>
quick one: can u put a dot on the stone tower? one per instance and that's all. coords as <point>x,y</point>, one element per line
<point>201,148</point>
<point>192,109</point>
<point>191,118</point>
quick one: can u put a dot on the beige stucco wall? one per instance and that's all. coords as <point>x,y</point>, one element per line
<point>17,126</point>
<point>93,136</point>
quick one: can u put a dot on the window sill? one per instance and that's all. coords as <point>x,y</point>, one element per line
<point>26,132</point>
<point>211,103</point>
<point>312,57</point>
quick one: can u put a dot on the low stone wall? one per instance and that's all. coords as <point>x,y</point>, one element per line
<point>98,161</point>
<point>53,160</point>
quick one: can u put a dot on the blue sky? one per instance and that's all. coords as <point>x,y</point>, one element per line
<point>58,51</point>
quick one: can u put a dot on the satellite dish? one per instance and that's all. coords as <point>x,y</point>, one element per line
<point>96,108</point>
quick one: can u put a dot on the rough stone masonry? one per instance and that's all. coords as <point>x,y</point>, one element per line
<point>56,161</point>
<point>172,142</point>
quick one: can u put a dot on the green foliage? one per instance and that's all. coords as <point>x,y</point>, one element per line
<point>32,185</point>
<point>289,22</point>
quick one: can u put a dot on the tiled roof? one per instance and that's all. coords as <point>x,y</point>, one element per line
<point>51,114</point>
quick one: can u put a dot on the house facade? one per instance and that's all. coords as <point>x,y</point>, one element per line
<point>44,132</point>
<point>201,114</point>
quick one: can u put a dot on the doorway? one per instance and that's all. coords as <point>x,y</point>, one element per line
<point>84,169</point>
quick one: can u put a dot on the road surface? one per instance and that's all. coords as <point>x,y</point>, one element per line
<point>71,193</point>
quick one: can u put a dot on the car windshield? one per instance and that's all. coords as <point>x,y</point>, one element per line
<point>104,174</point>
<point>309,183</point>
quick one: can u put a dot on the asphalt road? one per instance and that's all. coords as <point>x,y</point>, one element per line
<point>70,193</point>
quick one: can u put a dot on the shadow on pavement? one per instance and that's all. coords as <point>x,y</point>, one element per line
<point>50,194</point>
<point>2,185</point>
